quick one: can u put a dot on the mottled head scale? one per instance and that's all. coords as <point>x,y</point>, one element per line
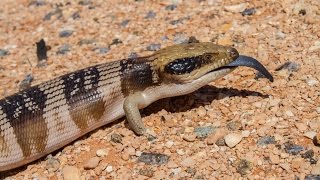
<point>187,62</point>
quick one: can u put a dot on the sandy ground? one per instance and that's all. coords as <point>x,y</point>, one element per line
<point>236,128</point>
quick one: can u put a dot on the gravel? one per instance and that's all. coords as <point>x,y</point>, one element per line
<point>65,48</point>
<point>277,123</point>
<point>153,47</point>
<point>65,33</point>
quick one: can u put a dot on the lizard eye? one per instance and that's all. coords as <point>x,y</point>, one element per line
<point>207,57</point>
<point>182,66</point>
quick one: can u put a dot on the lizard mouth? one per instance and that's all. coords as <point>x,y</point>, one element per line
<point>248,62</point>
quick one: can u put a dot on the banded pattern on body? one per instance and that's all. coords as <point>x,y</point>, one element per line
<point>42,119</point>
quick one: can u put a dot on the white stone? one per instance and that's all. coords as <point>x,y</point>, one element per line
<point>232,139</point>
<point>92,163</point>
<point>109,169</point>
<point>245,133</point>
<point>236,8</point>
<point>310,134</point>
<point>102,152</point>
<point>169,144</point>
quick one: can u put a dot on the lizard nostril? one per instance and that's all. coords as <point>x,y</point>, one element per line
<point>233,53</point>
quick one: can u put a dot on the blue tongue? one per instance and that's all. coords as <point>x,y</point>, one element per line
<point>251,62</point>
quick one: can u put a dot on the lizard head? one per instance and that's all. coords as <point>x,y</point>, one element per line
<point>188,62</point>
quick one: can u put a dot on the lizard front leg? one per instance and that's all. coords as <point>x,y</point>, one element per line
<point>131,107</point>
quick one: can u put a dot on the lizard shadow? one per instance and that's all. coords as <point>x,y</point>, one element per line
<point>201,97</point>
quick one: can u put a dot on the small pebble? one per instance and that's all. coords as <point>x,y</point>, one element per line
<point>131,151</point>
<point>266,140</point>
<point>219,133</point>
<point>293,148</point>
<point>138,153</point>
<point>116,138</point>
<point>193,39</point>
<point>312,82</point>
<point>109,169</point>
<point>180,152</point>
<point>275,159</point>
<point>203,132</point>
<point>290,66</point>
<point>191,171</point>
<point>70,173</point>
<point>37,3</point>
<point>302,12</point>
<point>150,15</point>
<point>56,12</point>
<point>245,133</point>
<point>289,113</point>
<point>177,21</point>
<point>220,142</point>
<point>315,47</point>
<point>65,33</point>
<point>244,167</point>
<point>248,12</point>
<point>91,163</point>
<point>153,47</point>
<point>86,41</point>
<point>172,164</point>
<point>236,8</point>
<point>232,139</point>
<point>189,137</point>
<point>153,158</point>
<point>26,82</point>
<point>171,7</point>
<point>316,139</point>
<point>52,164</point>
<point>274,102</point>
<point>297,163</point>
<point>115,41</point>
<point>125,23</point>
<point>176,171</point>
<point>188,162</point>
<point>301,127</point>
<point>133,55</point>
<point>280,35</point>
<point>169,144</point>
<point>234,125</point>
<point>64,49</point>
<point>102,152</point>
<point>146,172</point>
<point>76,15</point>
<point>102,50</point>
<point>125,156</point>
<point>285,166</point>
<point>3,52</point>
<point>84,2</point>
<point>309,155</point>
<point>180,38</point>
<point>312,177</point>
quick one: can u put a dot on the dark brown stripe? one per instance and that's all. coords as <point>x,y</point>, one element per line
<point>85,104</point>
<point>77,80</point>
<point>28,124</point>
<point>136,75</point>
<point>90,106</point>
